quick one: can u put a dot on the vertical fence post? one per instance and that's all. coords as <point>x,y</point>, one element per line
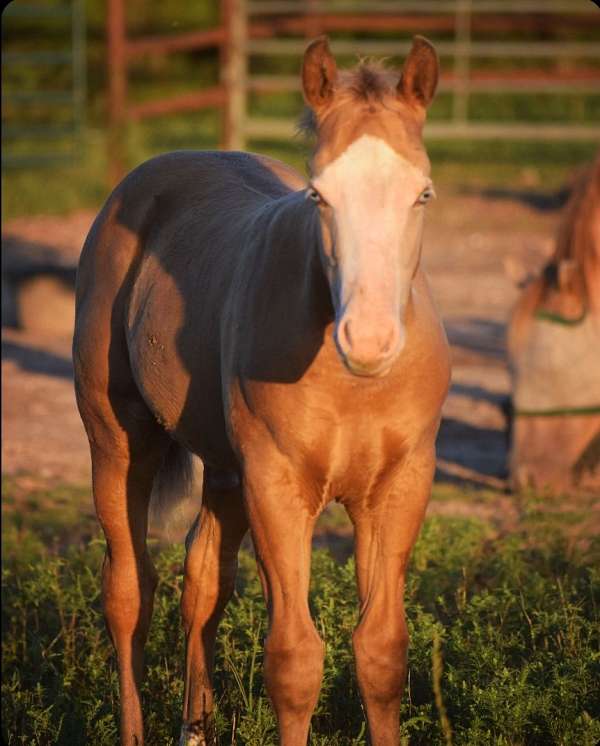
<point>79,74</point>
<point>234,72</point>
<point>462,61</point>
<point>117,89</point>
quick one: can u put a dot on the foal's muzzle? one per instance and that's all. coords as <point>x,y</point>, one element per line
<point>369,350</point>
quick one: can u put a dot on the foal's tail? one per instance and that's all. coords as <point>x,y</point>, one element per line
<point>174,481</point>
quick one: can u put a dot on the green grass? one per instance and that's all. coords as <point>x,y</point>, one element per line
<point>509,623</point>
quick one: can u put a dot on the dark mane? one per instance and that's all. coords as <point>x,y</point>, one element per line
<point>369,82</point>
<point>307,122</point>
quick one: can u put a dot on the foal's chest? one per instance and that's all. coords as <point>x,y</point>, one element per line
<point>343,432</point>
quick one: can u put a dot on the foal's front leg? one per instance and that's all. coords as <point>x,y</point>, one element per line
<point>385,532</point>
<point>282,527</point>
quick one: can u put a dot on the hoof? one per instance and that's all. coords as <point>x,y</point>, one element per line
<point>197,734</point>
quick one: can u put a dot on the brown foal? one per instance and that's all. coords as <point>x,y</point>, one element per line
<point>284,332</point>
<point>554,354</point>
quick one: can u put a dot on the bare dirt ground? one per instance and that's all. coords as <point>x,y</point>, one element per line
<point>468,240</point>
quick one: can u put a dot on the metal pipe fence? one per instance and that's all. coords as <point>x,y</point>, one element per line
<point>70,98</point>
<point>470,36</point>
<point>273,29</point>
<point>463,77</point>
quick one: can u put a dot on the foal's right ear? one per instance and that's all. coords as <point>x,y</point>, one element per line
<point>319,73</point>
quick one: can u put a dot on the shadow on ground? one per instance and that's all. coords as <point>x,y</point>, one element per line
<point>483,336</point>
<point>542,201</point>
<point>36,360</point>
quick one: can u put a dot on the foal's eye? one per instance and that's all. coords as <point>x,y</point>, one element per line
<point>426,195</point>
<point>313,195</point>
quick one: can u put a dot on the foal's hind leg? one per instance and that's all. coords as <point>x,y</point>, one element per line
<point>385,533</point>
<point>210,570</point>
<point>127,448</point>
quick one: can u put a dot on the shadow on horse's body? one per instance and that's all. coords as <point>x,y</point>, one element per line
<point>285,334</point>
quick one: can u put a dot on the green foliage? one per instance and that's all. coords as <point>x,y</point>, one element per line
<point>505,635</point>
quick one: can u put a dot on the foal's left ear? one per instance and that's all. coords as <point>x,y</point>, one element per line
<point>420,74</point>
<point>319,73</point>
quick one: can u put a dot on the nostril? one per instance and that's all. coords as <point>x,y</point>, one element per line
<point>390,341</point>
<point>345,334</point>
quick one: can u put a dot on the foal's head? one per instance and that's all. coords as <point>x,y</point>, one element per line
<point>370,180</point>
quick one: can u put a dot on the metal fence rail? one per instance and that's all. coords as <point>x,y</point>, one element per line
<point>281,28</point>
<point>41,135</point>
<point>273,29</point>
<point>462,80</point>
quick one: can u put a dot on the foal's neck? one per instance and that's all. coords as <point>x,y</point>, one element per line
<point>293,238</point>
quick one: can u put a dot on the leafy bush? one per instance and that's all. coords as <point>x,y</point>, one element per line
<point>504,640</point>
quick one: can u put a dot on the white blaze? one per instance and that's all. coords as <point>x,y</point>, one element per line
<point>372,190</point>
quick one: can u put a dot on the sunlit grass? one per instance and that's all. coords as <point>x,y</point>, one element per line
<point>517,616</point>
